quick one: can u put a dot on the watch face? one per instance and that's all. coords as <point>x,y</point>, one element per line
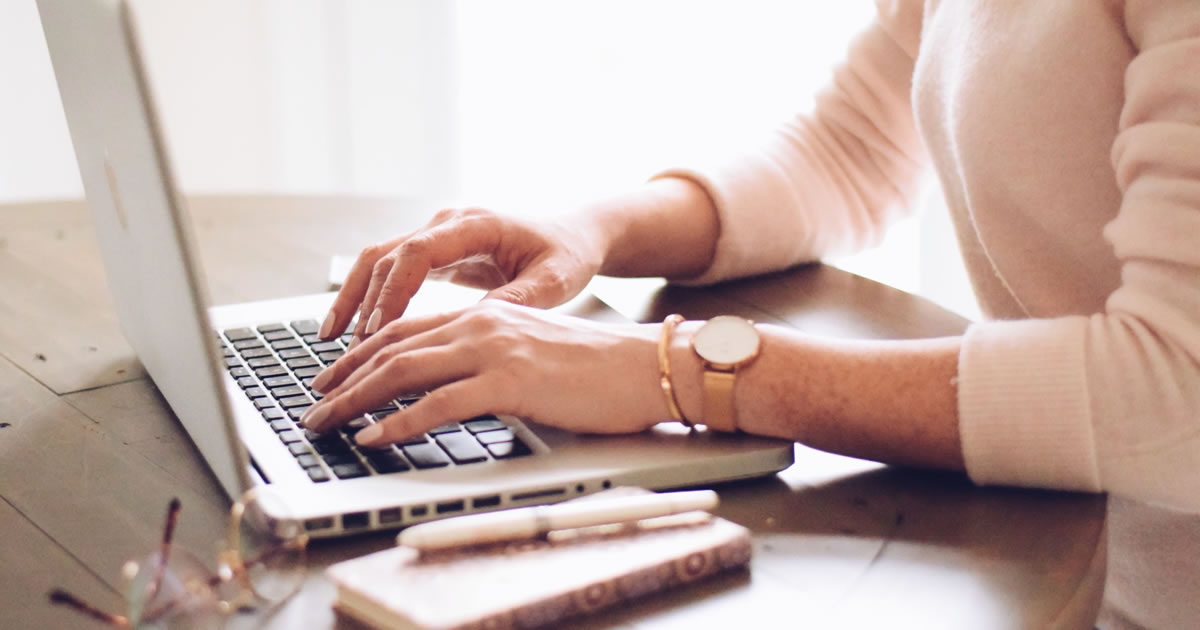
<point>726,340</point>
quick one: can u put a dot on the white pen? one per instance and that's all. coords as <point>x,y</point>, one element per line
<point>531,522</point>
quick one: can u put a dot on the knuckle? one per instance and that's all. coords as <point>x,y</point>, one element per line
<point>416,247</point>
<point>383,359</point>
<point>383,266</point>
<point>446,214</point>
<point>371,252</point>
<point>438,404</point>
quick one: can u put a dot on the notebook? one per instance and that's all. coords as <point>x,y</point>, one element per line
<point>237,376</point>
<point>536,583</point>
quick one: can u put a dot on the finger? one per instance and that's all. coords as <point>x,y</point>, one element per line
<point>418,370</point>
<point>354,287</point>
<point>407,332</point>
<point>440,246</point>
<point>429,339</point>
<point>459,400</point>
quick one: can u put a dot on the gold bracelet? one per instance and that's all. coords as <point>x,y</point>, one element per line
<point>664,368</point>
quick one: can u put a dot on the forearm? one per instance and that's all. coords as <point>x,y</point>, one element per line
<point>888,401</point>
<point>667,227</point>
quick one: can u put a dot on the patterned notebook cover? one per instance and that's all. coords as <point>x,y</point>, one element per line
<point>536,583</point>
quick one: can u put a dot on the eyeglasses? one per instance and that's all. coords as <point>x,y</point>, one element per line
<point>262,563</point>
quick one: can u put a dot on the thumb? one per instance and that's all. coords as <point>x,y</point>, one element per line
<point>540,287</point>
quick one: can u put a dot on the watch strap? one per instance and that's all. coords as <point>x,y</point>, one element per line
<point>719,411</point>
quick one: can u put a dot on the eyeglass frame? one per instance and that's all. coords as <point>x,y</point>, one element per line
<point>231,568</point>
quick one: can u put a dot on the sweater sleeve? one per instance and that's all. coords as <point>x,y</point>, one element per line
<point>830,181</point>
<point>1112,401</point>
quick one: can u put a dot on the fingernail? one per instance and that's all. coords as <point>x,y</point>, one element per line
<point>354,341</point>
<point>369,435</point>
<point>321,380</point>
<point>373,323</point>
<point>327,325</point>
<point>315,415</point>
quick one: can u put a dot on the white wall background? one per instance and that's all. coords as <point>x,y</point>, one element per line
<point>524,105</point>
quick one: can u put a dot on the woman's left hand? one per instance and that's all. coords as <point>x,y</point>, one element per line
<point>500,358</point>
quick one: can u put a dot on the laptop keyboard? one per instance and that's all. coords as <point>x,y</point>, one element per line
<point>275,364</point>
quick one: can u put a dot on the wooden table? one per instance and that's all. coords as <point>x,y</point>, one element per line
<point>90,454</point>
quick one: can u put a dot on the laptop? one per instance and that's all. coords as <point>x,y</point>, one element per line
<point>236,376</point>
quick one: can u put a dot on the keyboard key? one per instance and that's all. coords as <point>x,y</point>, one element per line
<point>247,344</point>
<point>463,448</point>
<point>272,413</point>
<point>239,372</point>
<point>295,413</point>
<point>233,363</point>
<point>484,423</point>
<point>334,444</point>
<point>279,426</point>
<point>308,460</point>
<point>262,362</point>
<point>494,437</point>
<point>276,335</point>
<point>317,474</point>
<point>294,353</point>
<point>507,450</point>
<point>227,352</point>
<point>246,382</point>
<point>269,371</point>
<point>290,437</point>
<point>294,401</point>
<point>298,448</point>
<point>302,362</point>
<point>354,426</point>
<point>285,344</point>
<point>308,372</point>
<point>255,353</point>
<point>256,392</point>
<point>387,462</point>
<point>339,458</point>
<point>350,471</point>
<point>306,326</point>
<point>263,403</point>
<point>238,334</point>
<point>327,346</point>
<point>330,357</point>
<point>266,328</point>
<point>279,381</point>
<point>288,391</point>
<point>416,439</point>
<point>445,428</point>
<point>426,455</point>
<point>311,339</point>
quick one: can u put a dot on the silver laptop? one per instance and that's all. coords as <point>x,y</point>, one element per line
<point>236,376</point>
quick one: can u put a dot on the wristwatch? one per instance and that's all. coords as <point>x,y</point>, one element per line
<point>725,344</point>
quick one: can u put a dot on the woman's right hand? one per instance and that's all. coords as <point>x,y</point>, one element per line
<point>518,261</point>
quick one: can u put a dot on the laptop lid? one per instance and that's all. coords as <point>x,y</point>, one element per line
<point>141,221</point>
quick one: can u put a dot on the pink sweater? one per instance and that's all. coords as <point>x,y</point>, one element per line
<point>1066,136</point>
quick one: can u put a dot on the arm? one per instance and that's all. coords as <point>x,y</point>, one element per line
<point>888,401</point>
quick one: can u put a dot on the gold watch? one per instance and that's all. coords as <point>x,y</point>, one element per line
<point>725,344</point>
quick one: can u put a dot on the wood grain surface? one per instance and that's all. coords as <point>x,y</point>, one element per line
<point>90,454</point>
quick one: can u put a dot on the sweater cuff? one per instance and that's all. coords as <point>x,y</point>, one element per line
<point>1024,410</point>
<point>747,244</point>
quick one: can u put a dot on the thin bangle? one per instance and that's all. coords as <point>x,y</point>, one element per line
<point>664,368</point>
